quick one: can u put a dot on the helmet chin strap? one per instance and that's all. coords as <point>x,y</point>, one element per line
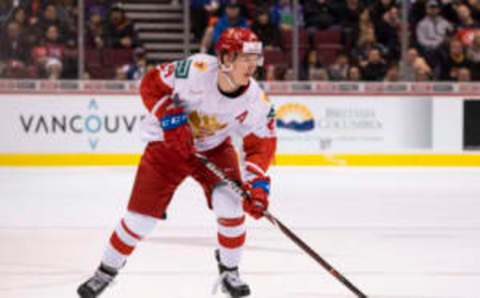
<point>226,71</point>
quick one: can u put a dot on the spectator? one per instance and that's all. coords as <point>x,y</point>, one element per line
<point>267,32</point>
<point>198,17</point>
<point>5,9</point>
<point>318,14</point>
<point>13,50</point>
<point>366,42</point>
<point>213,9</point>
<point>387,32</point>
<point>20,17</point>
<point>310,64</point>
<point>432,32</point>
<point>53,68</point>
<point>120,73</point>
<point>473,55</point>
<point>137,69</point>
<point>464,75</point>
<point>409,68</point>
<point>34,11</point>
<point>350,13</point>
<point>232,18</point>
<point>475,9</point>
<point>422,70</point>
<point>393,73</point>
<point>101,7</point>
<point>417,12</point>
<point>269,73</point>
<point>318,74</point>
<point>473,51</point>
<point>50,18</point>
<point>465,18</point>
<point>282,15</point>
<point>120,32</point>
<point>338,71</point>
<point>374,68</point>
<point>454,60</point>
<point>379,8</point>
<point>55,53</point>
<point>354,74</point>
<point>95,37</point>
<point>352,35</point>
<point>68,15</point>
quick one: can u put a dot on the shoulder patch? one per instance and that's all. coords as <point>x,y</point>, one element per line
<point>201,65</point>
<point>271,113</point>
<point>182,68</point>
<point>264,97</point>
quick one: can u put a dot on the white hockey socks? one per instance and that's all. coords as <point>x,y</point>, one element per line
<point>231,225</point>
<point>231,237</point>
<point>131,229</point>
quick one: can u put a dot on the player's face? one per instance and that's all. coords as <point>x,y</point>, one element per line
<point>244,67</point>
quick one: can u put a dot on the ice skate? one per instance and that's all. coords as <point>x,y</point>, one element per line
<point>96,284</point>
<point>230,281</point>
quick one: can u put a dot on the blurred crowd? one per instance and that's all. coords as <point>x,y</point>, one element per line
<point>339,40</point>
<point>39,38</point>
<point>355,40</point>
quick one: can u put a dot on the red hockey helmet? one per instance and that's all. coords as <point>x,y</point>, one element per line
<point>238,40</point>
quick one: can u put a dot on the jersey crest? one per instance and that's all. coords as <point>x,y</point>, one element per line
<point>204,125</point>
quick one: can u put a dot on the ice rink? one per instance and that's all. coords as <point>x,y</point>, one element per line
<point>394,232</point>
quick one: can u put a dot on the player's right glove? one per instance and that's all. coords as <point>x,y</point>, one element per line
<point>177,132</point>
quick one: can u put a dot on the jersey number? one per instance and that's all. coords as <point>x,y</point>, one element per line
<point>182,69</point>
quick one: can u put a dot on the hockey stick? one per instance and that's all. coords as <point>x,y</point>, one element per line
<point>286,231</point>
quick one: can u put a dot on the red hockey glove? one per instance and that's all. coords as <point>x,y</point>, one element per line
<point>259,188</point>
<point>177,132</point>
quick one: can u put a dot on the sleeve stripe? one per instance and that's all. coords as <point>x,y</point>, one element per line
<point>159,103</point>
<point>255,167</point>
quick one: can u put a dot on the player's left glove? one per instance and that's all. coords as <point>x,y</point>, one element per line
<point>259,189</point>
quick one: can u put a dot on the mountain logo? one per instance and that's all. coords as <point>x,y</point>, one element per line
<point>295,116</point>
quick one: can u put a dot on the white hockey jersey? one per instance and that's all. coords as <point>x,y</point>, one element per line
<point>213,116</point>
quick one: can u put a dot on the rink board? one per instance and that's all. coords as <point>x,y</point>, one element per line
<point>356,130</point>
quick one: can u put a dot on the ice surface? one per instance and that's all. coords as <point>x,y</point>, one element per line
<point>394,232</point>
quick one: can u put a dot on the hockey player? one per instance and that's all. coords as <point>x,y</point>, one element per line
<point>196,105</point>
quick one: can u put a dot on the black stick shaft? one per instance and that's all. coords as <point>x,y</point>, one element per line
<point>284,229</point>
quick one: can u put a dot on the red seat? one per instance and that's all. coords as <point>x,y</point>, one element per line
<point>274,56</point>
<point>117,57</point>
<point>328,54</point>
<point>101,72</point>
<point>287,39</point>
<point>327,37</point>
<point>93,57</point>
